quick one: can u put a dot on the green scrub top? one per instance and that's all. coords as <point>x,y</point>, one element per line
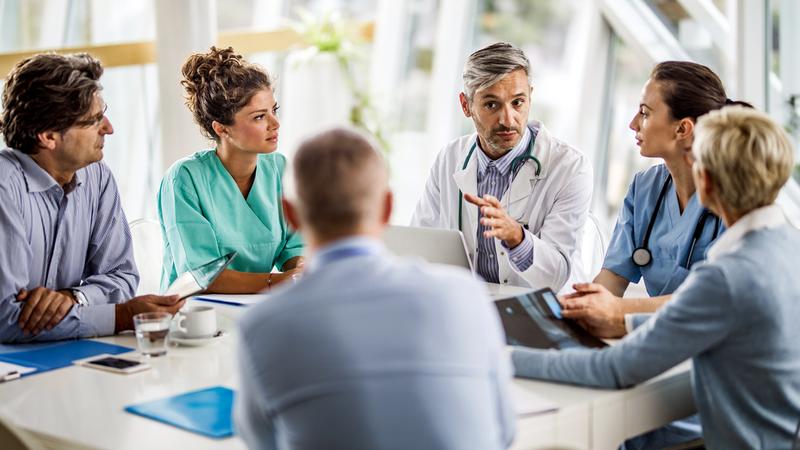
<point>204,216</point>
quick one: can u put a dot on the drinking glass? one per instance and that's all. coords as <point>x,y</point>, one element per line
<point>151,332</point>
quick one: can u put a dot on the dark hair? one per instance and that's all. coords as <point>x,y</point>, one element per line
<point>218,84</point>
<point>690,89</point>
<point>47,92</point>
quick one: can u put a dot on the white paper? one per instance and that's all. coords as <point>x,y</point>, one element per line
<point>527,403</point>
<point>8,367</point>
<point>239,299</point>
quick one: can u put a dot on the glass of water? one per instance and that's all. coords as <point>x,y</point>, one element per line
<point>151,332</point>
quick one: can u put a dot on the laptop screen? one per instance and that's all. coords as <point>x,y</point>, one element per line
<point>434,245</point>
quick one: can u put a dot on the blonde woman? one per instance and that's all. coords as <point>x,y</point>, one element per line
<point>736,314</point>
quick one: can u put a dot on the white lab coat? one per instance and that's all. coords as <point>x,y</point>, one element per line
<point>554,206</point>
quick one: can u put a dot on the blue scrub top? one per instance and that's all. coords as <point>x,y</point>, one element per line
<point>670,239</point>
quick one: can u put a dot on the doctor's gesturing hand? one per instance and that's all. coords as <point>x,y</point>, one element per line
<point>500,225</point>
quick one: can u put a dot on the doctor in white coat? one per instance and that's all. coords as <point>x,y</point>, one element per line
<point>519,195</point>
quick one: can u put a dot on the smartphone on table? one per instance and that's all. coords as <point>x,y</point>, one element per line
<point>113,363</point>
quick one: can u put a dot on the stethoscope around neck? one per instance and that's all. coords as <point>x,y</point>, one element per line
<point>515,164</point>
<point>642,256</point>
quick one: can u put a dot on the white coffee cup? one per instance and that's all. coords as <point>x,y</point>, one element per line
<point>197,321</point>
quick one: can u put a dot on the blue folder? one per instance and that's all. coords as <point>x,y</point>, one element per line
<point>207,411</point>
<point>56,355</point>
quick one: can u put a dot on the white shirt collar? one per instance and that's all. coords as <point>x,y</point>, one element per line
<point>770,216</point>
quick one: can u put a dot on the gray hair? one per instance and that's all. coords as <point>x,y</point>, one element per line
<point>488,65</point>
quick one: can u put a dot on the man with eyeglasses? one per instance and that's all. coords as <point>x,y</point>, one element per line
<point>67,267</point>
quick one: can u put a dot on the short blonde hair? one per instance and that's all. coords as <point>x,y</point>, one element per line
<point>748,156</point>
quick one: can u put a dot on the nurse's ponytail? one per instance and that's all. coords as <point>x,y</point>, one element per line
<point>691,90</point>
<point>218,84</point>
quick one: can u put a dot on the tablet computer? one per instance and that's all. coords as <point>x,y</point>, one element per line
<point>199,279</point>
<point>535,320</point>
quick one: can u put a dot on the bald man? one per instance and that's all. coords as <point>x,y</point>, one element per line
<point>368,350</point>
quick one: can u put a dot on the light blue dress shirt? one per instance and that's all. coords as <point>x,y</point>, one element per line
<point>494,178</point>
<point>72,238</point>
<point>670,239</point>
<point>736,316</point>
<point>369,351</point>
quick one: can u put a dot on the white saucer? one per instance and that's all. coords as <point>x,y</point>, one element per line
<point>180,338</point>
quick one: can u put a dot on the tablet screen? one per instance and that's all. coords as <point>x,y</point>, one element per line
<point>552,302</point>
<point>535,320</point>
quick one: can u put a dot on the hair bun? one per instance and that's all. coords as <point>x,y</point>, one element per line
<point>201,69</point>
<point>219,83</point>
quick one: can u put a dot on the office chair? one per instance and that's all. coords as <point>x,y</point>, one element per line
<point>148,252</point>
<point>592,245</point>
<point>796,442</point>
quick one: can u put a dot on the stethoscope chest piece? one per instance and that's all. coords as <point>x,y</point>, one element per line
<point>641,257</point>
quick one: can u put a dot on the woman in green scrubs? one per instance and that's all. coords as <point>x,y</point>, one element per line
<point>228,198</point>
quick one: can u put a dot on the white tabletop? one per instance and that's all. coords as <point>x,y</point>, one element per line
<point>78,407</point>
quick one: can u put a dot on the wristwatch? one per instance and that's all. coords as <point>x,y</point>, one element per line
<point>79,297</point>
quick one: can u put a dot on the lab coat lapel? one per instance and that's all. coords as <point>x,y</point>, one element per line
<point>518,194</point>
<point>522,185</point>
<point>467,182</point>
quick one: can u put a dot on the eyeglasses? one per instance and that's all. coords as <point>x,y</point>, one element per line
<point>94,120</point>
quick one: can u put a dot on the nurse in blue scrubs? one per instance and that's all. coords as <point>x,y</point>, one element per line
<point>228,198</point>
<point>662,229</point>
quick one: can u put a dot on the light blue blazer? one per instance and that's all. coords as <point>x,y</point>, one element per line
<point>372,352</point>
<point>737,318</point>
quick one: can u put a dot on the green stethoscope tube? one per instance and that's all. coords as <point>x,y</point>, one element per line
<point>521,159</point>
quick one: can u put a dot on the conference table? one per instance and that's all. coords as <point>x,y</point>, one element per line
<point>82,408</point>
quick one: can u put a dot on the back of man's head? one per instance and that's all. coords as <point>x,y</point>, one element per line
<point>339,185</point>
<point>47,92</point>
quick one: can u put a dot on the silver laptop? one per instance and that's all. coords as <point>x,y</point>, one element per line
<point>431,244</point>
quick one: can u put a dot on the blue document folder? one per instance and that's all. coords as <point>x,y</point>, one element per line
<point>207,411</point>
<point>56,355</point>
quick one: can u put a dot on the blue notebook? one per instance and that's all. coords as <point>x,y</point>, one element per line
<point>207,411</point>
<point>59,354</point>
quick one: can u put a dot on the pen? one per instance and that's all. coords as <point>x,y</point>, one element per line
<point>13,375</point>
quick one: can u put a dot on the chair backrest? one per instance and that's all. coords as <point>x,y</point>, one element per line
<point>148,251</point>
<point>593,246</point>
<point>12,438</point>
